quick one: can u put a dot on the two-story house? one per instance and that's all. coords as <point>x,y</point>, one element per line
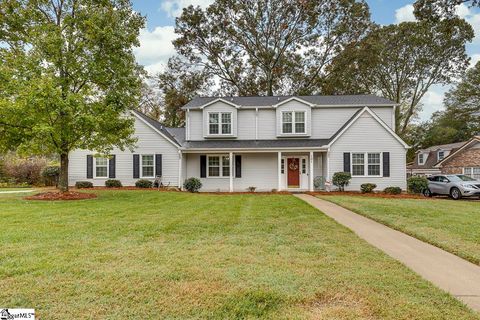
<point>272,143</point>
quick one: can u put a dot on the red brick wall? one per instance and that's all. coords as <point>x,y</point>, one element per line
<point>466,158</point>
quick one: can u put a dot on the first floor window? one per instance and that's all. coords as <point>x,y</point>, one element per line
<point>101,167</point>
<point>472,172</point>
<point>148,166</point>
<point>218,166</point>
<point>358,164</point>
<point>374,164</point>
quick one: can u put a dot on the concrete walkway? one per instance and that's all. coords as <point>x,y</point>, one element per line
<point>447,271</point>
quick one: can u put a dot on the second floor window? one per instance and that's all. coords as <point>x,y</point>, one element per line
<point>441,155</point>
<point>293,122</point>
<point>421,159</point>
<point>220,123</point>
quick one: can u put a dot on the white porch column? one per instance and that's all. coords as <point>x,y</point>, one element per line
<point>180,171</point>
<point>231,170</point>
<point>279,171</point>
<point>311,171</point>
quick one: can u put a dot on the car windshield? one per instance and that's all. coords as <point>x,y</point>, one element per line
<point>460,178</point>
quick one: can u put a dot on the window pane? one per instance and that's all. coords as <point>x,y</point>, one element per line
<point>300,127</point>
<point>147,160</point>
<point>213,118</point>
<point>225,166</point>
<point>358,158</point>
<point>287,117</point>
<point>214,171</point>
<point>214,161</point>
<point>373,169</point>
<point>282,168</point>
<point>299,116</point>
<point>226,118</point>
<point>101,161</point>
<point>101,172</point>
<point>304,166</point>
<point>226,128</point>
<point>358,170</point>
<point>213,123</point>
<point>468,171</point>
<point>213,128</point>
<point>214,166</point>
<point>147,171</point>
<point>287,128</point>
<point>373,158</point>
<point>476,173</point>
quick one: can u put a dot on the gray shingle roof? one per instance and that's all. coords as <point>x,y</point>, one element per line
<point>268,101</point>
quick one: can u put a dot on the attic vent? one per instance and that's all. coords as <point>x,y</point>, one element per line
<point>231,99</point>
<point>278,98</point>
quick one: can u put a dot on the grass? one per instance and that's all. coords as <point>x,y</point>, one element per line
<point>451,225</point>
<point>149,255</point>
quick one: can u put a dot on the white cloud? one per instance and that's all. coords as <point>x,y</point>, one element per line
<point>174,7</point>
<point>155,48</point>
<point>432,101</point>
<point>475,59</point>
<point>404,14</point>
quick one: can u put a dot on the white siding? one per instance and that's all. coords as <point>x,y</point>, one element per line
<point>386,114</point>
<point>149,142</point>
<point>219,107</point>
<point>195,125</point>
<point>367,135</point>
<point>246,124</point>
<point>266,124</point>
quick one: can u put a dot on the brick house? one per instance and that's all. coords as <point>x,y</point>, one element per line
<point>465,160</point>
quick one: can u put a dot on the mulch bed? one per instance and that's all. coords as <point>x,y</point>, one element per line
<point>53,196</point>
<point>370,195</point>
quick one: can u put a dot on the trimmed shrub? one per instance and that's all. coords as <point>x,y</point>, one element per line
<point>392,190</point>
<point>112,183</point>
<point>341,180</point>
<point>83,185</point>
<point>192,184</point>
<point>143,183</point>
<point>417,184</point>
<point>368,187</point>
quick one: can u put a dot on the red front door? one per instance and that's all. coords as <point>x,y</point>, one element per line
<point>293,176</point>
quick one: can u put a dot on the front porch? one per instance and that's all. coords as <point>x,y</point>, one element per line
<point>237,171</point>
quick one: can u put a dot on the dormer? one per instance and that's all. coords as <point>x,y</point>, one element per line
<point>293,117</point>
<point>220,119</point>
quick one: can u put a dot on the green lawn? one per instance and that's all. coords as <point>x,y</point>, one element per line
<point>151,255</point>
<point>451,225</point>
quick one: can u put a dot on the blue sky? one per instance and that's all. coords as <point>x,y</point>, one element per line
<point>155,40</point>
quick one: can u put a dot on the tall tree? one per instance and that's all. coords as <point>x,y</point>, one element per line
<point>179,83</point>
<point>68,75</point>
<point>150,101</point>
<point>401,62</point>
<point>266,47</point>
<point>440,9</point>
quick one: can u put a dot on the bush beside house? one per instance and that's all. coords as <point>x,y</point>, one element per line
<point>143,183</point>
<point>341,180</point>
<point>368,187</point>
<point>417,184</point>
<point>192,184</point>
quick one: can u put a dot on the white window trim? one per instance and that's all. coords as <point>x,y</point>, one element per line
<point>141,166</point>
<point>221,176</point>
<point>95,168</point>
<point>294,130</point>
<point>365,165</point>
<point>423,159</point>
<point>220,123</point>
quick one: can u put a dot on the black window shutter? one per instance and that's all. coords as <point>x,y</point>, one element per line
<point>158,165</point>
<point>203,166</point>
<point>89,167</point>
<point>136,166</point>
<point>238,166</point>
<point>346,162</point>
<point>386,164</point>
<point>111,167</point>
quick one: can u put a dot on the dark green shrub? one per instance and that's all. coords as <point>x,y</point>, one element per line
<point>112,183</point>
<point>368,187</point>
<point>50,175</point>
<point>392,190</point>
<point>341,179</point>
<point>143,183</point>
<point>192,184</point>
<point>83,185</point>
<point>417,184</point>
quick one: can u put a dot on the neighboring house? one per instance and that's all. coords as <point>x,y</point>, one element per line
<point>284,143</point>
<point>464,160</point>
<point>426,159</point>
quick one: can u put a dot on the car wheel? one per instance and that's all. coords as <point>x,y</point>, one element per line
<point>455,194</point>
<point>427,193</point>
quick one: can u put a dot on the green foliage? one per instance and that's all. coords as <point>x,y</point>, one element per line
<point>144,183</point>
<point>192,184</point>
<point>252,47</point>
<point>112,183</point>
<point>417,184</point>
<point>67,76</point>
<point>50,175</point>
<point>392,190</point>
<point>341,179</point>
<point>435,10</point>
<point>83,185</point>
<point>368,187</point>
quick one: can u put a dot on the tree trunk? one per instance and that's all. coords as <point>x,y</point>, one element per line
<point>63,178</point>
